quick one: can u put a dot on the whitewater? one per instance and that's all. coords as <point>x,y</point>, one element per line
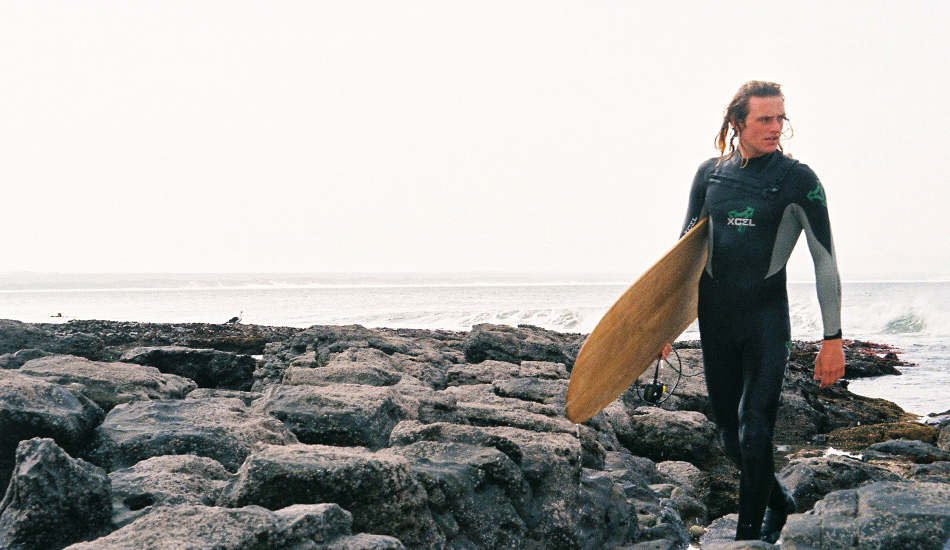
<point>910,315</point>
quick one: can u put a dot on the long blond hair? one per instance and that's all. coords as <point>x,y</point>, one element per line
<point>738,109</point>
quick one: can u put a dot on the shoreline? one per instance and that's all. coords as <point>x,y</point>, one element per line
<point>434,425</point>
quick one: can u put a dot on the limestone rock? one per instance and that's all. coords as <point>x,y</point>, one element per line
<point>53,499</point>
<point>108,384</point>
<point>164,481</point>
<point>879,516</point>
<point>342,414</point>
<point>219,428</point>
<point>30,407</point>
<point>810,479</point>
<point>378,489</point>
<point>207,367</point>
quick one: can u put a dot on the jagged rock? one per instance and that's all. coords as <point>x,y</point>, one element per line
<point>489,371</point>
<point>207,367</point>
<point>425,405</point>
<point>247,397</point>
<point>30,407</point>
<point>108,384</point>
<point>879,516</point>
<point>937,472</point>
<point>682,473</point>
<point>16,336</point>
<point>481,406</point>
<point>810,479</point>
<point>533,389</point>
<point>364,366</point>
<point>378,488</point>
<point>17,359</point>
<point>607,519</point>
<point>342,415</point>
<point>409,432</point>
<point>314,346</point>
<point>664,435</point>
<point>164,481</point>
<point>195,528</point>
<point>516,344</point>
<point>120,336</point>
<point>860,437</point>
<point>551,464</point>
<point>942,424</point>
<point>53,499</point>
<point>219,428</point>
<point>477,494</point>
<point>721,535</point>
<point>917,451</point>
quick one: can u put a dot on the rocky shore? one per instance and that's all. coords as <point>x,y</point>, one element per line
<point>117,435</point>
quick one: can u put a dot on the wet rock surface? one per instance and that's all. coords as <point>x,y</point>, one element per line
<point>349,438</point>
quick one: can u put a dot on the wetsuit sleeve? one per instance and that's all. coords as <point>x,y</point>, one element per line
<point>812,213</point>
<point>696,209</point>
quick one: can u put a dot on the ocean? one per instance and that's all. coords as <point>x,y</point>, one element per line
<point>910,315</point>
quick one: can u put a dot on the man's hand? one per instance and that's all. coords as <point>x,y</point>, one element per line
<point>829,365</point>
<point>666,351</point>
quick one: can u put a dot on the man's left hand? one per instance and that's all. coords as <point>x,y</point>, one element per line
<point>829,365</point>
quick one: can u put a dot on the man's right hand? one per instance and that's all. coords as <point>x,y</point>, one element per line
<point>666,351</point>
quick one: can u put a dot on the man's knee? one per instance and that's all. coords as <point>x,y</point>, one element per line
<point>755,434</point>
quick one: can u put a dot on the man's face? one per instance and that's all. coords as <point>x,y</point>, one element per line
<point>762,128</point>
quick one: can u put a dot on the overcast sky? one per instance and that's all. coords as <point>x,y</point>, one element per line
<point>448,136</point>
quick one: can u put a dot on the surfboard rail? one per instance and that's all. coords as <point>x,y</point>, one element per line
<point>654,311</point>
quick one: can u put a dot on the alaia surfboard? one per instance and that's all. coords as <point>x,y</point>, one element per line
<point>654,311</point>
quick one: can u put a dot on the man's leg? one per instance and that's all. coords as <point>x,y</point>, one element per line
<point>764,361</point>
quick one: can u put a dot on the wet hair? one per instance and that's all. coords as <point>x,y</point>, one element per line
<point>738,110</point>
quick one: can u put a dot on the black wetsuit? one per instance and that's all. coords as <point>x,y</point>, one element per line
<point>757,213</point>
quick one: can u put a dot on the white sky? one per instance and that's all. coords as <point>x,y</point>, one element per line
<point>448,136</point>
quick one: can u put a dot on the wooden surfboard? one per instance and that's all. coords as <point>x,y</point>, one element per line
<point>654,311</point>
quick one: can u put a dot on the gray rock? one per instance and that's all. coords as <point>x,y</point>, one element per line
<point>53,500</point>
<point>164,481</point>
<point>937,472</point>
<point>721,535</point>
<point>247,397</point>
<point>299,527</point>
<point>477,494</point>
<point>409,432</point>
<point>665,435</point>
<point>516,344</point>
<point>17,359</point>
<point>917,451</point>
<point>219,428</point>
<point>30,407</point>
<point>342,415</point>
<point>16,336</point>
<point>378,488</point>
<point>661,544</point>
<point>683,474</point>
<point>314,347</point>
<point>195,528</point>
<point>606,518</point>
<point>364,366</point>
<point>533,389</point>
<point>490,371</point>
<point>108,384</point>
<point>365,541</point>
<point>425,405</point>
<point>207,367</point>
<point>552,465</point>
<point>810,479</point>
<point>879,516</point>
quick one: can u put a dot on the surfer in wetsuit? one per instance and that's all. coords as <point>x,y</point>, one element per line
<point>758,201</point>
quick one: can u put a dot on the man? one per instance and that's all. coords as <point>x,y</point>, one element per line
<point>759,201</point>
